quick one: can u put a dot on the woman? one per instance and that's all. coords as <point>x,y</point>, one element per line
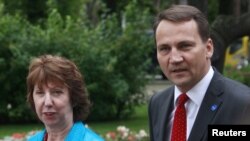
<point>57,93</point>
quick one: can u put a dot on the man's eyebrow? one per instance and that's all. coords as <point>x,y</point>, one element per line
<point>186,42</point>
<point>163,45</point>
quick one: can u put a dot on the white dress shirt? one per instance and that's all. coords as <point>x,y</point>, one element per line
<point>196,95</point>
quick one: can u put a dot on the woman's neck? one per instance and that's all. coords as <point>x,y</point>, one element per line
<point>58,134</point>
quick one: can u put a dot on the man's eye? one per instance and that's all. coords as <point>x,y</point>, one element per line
<point>185,46</point>
<point>188,45</point>
<point>164,50</point>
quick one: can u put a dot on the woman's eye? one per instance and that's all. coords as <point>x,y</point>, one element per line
<point>57,92</point>
<point>39,92</point>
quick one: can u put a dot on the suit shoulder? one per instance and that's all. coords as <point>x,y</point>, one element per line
<point>161,97</point>
<point>233,85</point>
<point>237,91</point>
<point>162,94</point>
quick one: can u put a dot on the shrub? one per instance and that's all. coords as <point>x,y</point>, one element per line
<point>113,60</point>
<point>242,75</point>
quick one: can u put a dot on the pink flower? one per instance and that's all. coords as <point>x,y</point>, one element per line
<point>18,135</point>
<point>123,133</point>
<point>131,138</point>
<point>111,135</point>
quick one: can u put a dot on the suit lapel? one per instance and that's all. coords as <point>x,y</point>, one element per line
<point>210,105</point>
<point>166,111</point>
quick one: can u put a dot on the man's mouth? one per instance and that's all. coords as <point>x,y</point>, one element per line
<point>178,70</point>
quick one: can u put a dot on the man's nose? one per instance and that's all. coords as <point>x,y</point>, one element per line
<point>175,57</point>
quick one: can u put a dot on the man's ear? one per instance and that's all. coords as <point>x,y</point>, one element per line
<point>209,48</point>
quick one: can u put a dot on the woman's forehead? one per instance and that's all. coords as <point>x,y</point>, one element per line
<point>50,84</point>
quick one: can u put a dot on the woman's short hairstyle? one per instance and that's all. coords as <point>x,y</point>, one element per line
<point>55,69</point>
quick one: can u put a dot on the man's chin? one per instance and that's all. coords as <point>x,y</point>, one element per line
<point>182,84</point>
<point>180,81</point>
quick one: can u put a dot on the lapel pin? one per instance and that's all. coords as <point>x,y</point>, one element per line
<point>214,107</point>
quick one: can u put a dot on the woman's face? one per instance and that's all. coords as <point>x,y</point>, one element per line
<point>52,104</point>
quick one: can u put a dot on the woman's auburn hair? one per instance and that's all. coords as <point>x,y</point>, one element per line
<point>55,69</point>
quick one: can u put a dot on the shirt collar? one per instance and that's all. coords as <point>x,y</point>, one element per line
<point>197,93</point>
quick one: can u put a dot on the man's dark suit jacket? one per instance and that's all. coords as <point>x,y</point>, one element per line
<point>231,97</point>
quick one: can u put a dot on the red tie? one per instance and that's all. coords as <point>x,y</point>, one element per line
<point>180,120</point>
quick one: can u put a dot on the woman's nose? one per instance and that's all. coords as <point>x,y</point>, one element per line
<point>47,100</point>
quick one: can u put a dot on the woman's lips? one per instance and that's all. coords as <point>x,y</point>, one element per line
<point>49,114</point>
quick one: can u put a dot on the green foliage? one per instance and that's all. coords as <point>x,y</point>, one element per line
<point>36,11</point>
<point>245,71</point>
<point>67,8</point>
<point>241,75</point>
<point>213,10</point>
<point>12,83</point>
<point>113,60</point>
<point>30,9</point>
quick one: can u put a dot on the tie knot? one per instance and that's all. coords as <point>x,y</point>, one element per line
<point>182,99</point>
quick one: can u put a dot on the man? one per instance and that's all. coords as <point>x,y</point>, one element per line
<point>184,50</point>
